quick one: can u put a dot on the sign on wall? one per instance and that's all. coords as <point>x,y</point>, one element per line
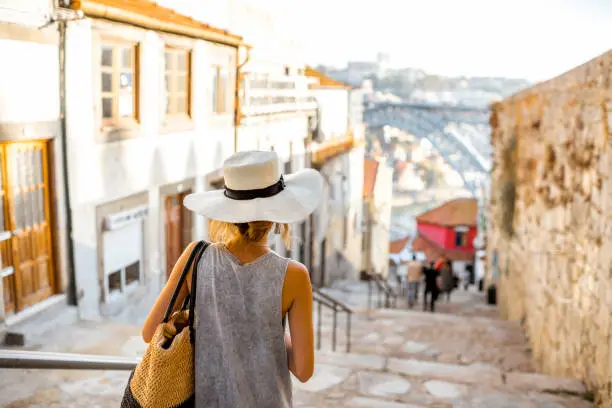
<point>123,218</point>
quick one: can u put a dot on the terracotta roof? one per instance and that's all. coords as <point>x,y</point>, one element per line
<point>370,168</point>
<point>148,14</point>
<point>433,251</point>
<point>395,247</point>
<point>324,80</point>
<point>462,211</point>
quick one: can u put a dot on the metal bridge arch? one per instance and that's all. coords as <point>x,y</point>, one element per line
<point>460,134</point>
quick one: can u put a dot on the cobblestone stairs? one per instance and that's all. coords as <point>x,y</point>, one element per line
<point>414,359</point>
<point>398,358</point>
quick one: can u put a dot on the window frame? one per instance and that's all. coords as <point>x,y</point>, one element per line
<point>461,238</point>
<point>116,69</point>
<point>221,94</point>
<point>176,116</point>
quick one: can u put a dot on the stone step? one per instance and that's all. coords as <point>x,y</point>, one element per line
<point>433,337</point>
<point>363,380</point>
<point>26,328</point>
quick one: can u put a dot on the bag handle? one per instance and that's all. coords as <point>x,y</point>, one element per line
<point>196,250</point>
<point>192,295</point>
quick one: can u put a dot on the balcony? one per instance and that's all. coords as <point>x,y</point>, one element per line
<point>268,95</point>
<point>323,152</point>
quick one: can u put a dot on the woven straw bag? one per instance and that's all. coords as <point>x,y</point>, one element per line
<point>164,378</point>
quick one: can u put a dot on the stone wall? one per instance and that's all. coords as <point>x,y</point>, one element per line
<point>551,202</point>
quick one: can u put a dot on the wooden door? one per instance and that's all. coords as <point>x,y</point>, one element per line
<point>178,229</point>
<point>27,216</point>
<point>7,272</point>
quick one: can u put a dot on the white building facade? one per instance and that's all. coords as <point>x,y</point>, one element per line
<point>274,108</point>
<point>149,115</point>
<point>338,152</point>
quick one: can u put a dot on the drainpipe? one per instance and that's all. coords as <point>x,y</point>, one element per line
<point>71,292</point>
<point>237,104</point>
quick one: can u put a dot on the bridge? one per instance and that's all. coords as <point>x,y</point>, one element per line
<point>461,134</point>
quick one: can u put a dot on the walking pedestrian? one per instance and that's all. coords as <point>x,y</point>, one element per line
<point>413,276</point>
<point>446,277</point>
<point>243,355</point>
<point>431,287</point>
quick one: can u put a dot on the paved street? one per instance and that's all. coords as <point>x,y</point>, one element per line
<point>398,359</point>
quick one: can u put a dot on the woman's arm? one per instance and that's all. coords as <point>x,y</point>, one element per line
<point>156,314</point>
<point>300,344</point>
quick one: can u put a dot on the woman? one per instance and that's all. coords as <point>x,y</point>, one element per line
<point>245,291</point>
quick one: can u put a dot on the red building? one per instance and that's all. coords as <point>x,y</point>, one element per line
<point>448,230</point>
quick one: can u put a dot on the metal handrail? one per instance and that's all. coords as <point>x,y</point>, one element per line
<point>390,292</point>
<point>31,360</point>
<point>381,286</point>
<point>328,301</point>
<point>338,303</point>
<point>34,360</point>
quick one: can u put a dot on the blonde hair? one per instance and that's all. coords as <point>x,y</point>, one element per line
<point>254,231</point>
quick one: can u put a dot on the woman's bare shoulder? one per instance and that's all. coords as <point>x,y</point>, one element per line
<point>297,277</point>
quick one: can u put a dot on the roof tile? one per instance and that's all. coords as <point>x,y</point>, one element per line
<point>153,16</point>
<point>324,80</point>
<point>395,247</point>
<point>462,211</point>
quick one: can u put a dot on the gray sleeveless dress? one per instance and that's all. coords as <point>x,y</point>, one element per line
<point>240,354</point>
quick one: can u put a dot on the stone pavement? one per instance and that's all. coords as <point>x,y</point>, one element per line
<point>398,359</point>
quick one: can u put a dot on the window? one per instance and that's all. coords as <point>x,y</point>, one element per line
<point>28,195</point>
<point>177,96</point>
<point>220,89</point>
<point>461,239</point>
<point>118,82</point>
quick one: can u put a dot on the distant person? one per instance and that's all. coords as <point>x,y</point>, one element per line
<point>467,276</point>
<point>431,287</point>
<point>447,278</point>
<point>413,276</point>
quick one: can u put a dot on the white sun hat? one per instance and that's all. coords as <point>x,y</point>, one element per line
<point>256,190</point>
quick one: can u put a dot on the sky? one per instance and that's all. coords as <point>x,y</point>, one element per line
<point>532,39</point>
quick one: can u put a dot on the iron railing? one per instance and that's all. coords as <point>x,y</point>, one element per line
<point>31,360</point>
<point>335,306</point>
<point>382,287</point>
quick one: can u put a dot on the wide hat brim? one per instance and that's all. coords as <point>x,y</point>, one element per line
<point>300,197</point>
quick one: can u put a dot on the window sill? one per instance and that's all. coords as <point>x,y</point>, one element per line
<point>114,131</point>
<point>177,124</point>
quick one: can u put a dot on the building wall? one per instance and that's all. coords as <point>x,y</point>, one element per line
<point>450,242</point>
<point>433,232</point>
<point>30,13</point>
<point>340,216</point>
<point>285,133</point>
<point>334,111</point>
<point>445,237</point>
<point>548,241</point>
<point>381,214</point>
<point>25,48</point>
<point>112,168</point>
